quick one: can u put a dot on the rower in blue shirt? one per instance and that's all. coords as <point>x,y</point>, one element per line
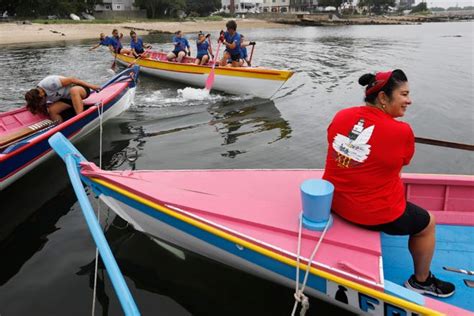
<point>103,41</point>
<point>203,49</point>
<point>137,46</point>
<point>231,40</point>
<point>115,45</point>
<point>243,51</point>
<point>181,47</point>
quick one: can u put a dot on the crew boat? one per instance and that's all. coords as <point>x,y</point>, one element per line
<point>257,81</point>
<point>249,219</point>
<point>24,136</point>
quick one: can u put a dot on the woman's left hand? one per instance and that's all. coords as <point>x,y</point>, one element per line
<point>95,87</point>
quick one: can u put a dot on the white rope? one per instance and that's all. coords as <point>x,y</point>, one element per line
<point>299,291</point>
<point>100,111</point>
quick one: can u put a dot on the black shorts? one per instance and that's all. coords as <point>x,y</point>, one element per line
<point>234,57</point>
<point>176,52</point>
<point>411,222</point>
<point>200,56</point>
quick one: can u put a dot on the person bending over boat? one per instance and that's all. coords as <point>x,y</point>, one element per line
<point>367,148</point>
<point>137,46</point>
<point>231,40</point>
<point>103,41</point>
<point>203,49</point>
<point>54,94</point>
<point>115,44</point>
<point>181,47</point>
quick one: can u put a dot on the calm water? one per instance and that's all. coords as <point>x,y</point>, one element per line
<point>47,261</point>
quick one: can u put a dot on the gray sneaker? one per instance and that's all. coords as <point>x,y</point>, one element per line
<point>431,286</point>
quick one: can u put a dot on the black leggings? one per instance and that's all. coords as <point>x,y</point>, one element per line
<point>411,222</point>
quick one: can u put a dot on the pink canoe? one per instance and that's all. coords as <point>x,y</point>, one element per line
<point>249,219</point>
<point>24,136</point>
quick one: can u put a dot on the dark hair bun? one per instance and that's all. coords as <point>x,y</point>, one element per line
<point>366,79</point>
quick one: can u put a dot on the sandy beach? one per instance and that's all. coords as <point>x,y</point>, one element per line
<point>13,33</point>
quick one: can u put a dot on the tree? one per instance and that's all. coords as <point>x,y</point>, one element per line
<point>160,8</point>
<point>204,8</point>
<point>377,6</point>
<point>421,7</point>
<point>36,8</point>
<point>331,3</point>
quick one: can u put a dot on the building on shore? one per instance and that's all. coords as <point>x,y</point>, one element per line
<point>268,6</point>
<point>116,5</point>
<point>303,5</point>
<point>276,6</point>
<point>113,9</point>
<point>242,6</point>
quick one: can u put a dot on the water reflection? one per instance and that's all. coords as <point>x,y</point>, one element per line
<point>255,116</point>
<point>254,121</point>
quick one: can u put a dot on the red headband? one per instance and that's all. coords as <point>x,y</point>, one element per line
<point>381,79</point>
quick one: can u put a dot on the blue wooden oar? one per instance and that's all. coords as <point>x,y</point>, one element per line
<point>72,157</point>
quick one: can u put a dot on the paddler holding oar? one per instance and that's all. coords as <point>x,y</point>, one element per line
<point>137,46</point>
<point>181,47</point>
<point>244,58</point>
<point>367,148</point>
<point>203,49</point>
<point>231,40</point>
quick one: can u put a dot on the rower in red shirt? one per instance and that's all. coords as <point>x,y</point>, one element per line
<point>367,148</point>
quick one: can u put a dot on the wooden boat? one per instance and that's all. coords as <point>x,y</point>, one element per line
<point>24,136</point>
<point>249,219</point>
<point>256,81</point>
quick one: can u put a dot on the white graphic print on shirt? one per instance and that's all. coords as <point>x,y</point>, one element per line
<point>355,146</point>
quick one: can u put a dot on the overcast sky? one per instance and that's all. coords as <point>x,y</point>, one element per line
<point>447,3</point>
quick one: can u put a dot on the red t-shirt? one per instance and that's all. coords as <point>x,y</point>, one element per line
<point>367,149</point>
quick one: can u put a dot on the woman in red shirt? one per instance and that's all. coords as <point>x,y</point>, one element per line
<point>367,148</point>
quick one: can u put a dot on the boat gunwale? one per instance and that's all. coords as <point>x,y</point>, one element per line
<point>283,74</point>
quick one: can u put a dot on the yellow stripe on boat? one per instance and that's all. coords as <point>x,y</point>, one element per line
<point>247,72</point>
<point>325,275</point>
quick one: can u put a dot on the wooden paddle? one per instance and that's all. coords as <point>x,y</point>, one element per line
<point>251,55</point>
<point>211,77</point>
<point>443,143</point>
<point>114,62</point>
<point>23,132</point>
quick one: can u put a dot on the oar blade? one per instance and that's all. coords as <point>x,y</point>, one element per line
<point>210,80</point>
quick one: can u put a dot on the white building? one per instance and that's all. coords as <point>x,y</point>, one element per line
<point>276,6</point>
<point>116,5</point>
<point>243,6</point>
<point>268,6</point>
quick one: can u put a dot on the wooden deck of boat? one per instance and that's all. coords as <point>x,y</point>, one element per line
<point>454,248</point>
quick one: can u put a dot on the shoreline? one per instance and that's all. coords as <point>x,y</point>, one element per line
<point>333,20</point>
<point>34,33</point>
